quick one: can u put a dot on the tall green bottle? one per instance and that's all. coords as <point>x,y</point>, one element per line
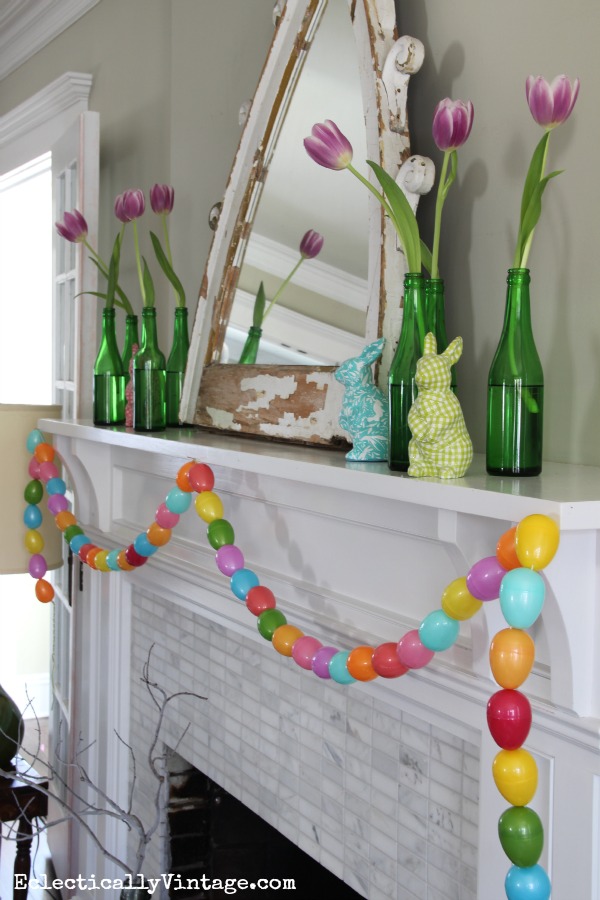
<point>515,407</point>
<point>176,364</point>
<point>435,303</point>
<point>149,378</point>
<point>109,380</point>
<point>401,381</point>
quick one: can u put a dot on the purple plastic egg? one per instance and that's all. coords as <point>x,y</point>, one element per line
<point>483,579</point>
<point>321,660</point>
<point>37,566</point>
<point>229,559</point>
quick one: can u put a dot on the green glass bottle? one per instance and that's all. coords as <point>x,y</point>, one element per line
<point>402,387</point>
<point>109,380</point>
<point>250,348</point>
<point>131,340</point>
<point>515,407</point>
<point>435,303</point>
<point>149,378</point>
<point>176,364</point>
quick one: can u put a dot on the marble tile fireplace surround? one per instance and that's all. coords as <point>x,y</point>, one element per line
<point>387,784</point>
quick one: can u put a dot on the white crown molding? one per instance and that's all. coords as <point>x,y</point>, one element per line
<point>274,258</point>
<point>68,91</point>
<point>28,25</point>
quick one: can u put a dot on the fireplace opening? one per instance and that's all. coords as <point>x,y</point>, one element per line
<point>212,834</point>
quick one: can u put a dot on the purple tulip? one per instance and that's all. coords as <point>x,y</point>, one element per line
<point>452,123</point>
<point>328,147</point>
<point>129,205</point>
<point>162,197</point>
<point>73,227</point>
<point>551,104</point>
<point>311,244</point>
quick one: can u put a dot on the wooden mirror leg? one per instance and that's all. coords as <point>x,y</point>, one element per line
<point>22,859</point>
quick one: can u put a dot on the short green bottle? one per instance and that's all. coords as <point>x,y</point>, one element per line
<point>109,379</point>
<point>176,364</point>
<point>515,405</point>
<point>149,378</point>
<point>401,380</point>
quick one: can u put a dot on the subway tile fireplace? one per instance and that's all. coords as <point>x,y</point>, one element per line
<point>374,793</point>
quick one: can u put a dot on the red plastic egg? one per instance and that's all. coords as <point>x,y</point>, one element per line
<point>509,718</point>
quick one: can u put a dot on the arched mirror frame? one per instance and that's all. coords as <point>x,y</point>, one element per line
<point>300,403</point>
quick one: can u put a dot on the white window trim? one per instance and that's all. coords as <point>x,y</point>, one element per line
<point>31,128</point>
<point>28,25</point>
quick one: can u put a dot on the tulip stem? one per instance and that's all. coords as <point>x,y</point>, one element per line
<point>138,261</point>
<point>443,188</point>
<point>380,197</point>
<point>281,288</point>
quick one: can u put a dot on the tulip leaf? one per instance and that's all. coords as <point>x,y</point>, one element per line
<point>403,217</point>
<point>123,301</point>
<point>534,174</point>
<point>426,257</point>
<point>259,306</point>
<point>148,285</point>
<point>113,272</point>
<point>532,214</point>
<point>167,268</point>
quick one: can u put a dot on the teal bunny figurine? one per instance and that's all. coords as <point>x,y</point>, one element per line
<point>440,443</point>
<point>364,412</point>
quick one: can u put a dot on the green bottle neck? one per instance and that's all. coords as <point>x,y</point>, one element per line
<point>518,306</point>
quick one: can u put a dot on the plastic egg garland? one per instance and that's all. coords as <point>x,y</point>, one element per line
<point>304,650</point>
<point>515,775</point>
<point>506,552</point>
<point>521,834</point>
<point>509,718</point>
<point>522,595</point>
<point>360,665</point>
<point>485,577</point>
<point>438,631</point>
<point>242,582</point>
<point>530,883</point>
<point>512,654</point>
<point>285,637</point>
<point>458,602</point>
<point>536,541</point>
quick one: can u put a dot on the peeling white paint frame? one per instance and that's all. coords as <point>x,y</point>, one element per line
<point>212,394</point>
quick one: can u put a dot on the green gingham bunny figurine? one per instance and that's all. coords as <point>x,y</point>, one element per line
<point>440,443</point>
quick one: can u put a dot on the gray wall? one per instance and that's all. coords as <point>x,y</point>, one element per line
<point>170,75</point>
<point>483,51</point>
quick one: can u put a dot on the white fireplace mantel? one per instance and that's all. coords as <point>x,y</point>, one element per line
<point>356,554</point>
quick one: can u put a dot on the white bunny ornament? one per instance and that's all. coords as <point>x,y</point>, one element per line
<point>440,443</point>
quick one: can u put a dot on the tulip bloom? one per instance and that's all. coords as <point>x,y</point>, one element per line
<point>551,104</point>
<point>130,205</point>
<point>162,198</point>
<point>311,244</point>
<point>328,147</point>
<point>73,227</point>
<point>452,123</point>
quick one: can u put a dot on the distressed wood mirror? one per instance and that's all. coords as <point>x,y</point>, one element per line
<point>296,402</point>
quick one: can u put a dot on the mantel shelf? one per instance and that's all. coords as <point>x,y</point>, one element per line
<point>568,493</point>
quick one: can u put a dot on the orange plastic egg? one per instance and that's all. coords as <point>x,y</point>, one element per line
<point>512,653</point>
<point>284,638</point>
<point>360,663</point>
<point>182,477</point>
<point>44,590</point>
<point>158,536</point>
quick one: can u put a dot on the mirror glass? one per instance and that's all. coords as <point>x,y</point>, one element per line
<point>320,316</point>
